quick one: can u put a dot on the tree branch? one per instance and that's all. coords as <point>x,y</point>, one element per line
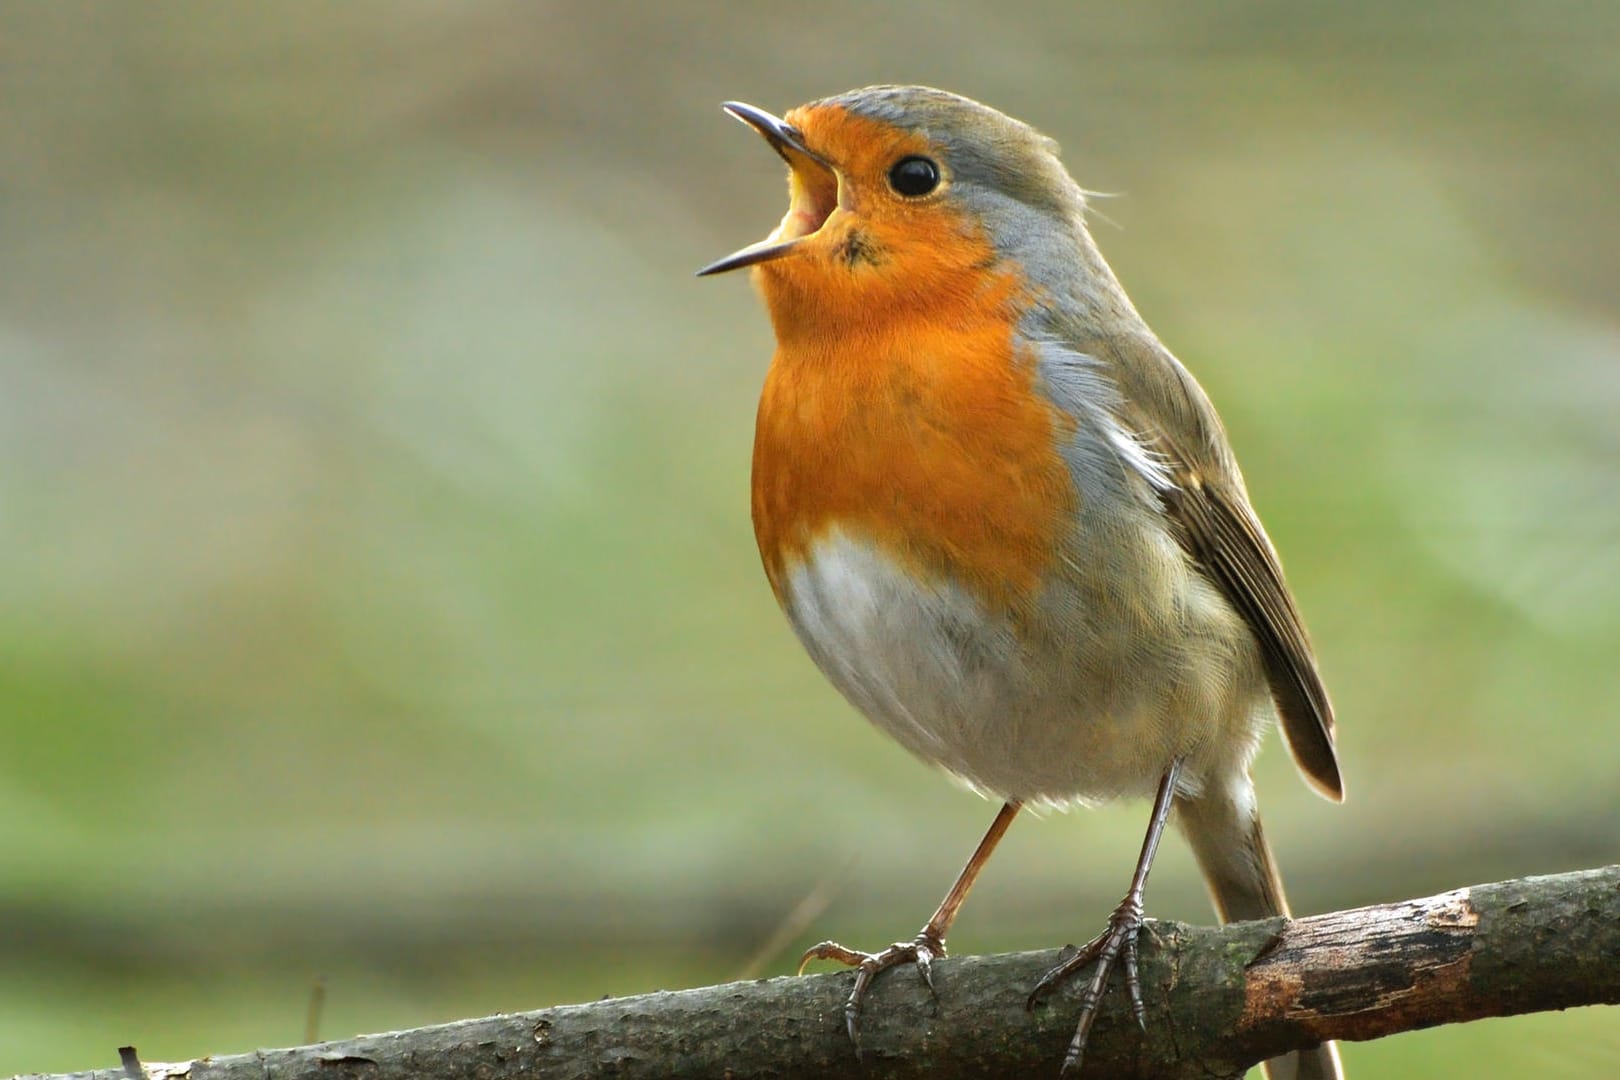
<point>1219,1000</point>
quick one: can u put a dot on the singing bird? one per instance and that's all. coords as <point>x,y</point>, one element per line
<point>1004,520</point>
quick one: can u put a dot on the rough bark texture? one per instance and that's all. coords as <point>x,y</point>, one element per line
<point>1218,1001</point>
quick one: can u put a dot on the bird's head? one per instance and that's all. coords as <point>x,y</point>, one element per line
<point>904,195</point>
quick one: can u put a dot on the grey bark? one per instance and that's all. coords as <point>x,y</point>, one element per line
<point>1218,1000</point>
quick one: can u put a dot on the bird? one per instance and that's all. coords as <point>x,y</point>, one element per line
<point>1005,521</point>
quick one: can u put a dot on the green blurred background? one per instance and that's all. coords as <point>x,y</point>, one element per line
<point>379,597</point>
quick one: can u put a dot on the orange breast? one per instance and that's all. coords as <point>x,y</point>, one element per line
<point>920,431</point>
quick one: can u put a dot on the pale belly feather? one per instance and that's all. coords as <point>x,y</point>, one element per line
<point>1077,699</point>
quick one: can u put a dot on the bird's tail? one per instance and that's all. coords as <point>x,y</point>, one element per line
<point>1223,828</point>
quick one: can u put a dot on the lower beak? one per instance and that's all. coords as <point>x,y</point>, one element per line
<point>813,187</point>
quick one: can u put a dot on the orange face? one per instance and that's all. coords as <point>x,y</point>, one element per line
<point>900,408</point>
<point>853,243</point>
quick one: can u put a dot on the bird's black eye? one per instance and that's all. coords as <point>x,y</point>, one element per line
<point>914,176</point>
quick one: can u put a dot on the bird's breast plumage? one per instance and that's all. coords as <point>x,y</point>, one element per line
<point>925,436</point>
<point>919,511</point>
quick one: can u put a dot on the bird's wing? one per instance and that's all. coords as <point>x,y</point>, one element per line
<point>1206,500</point>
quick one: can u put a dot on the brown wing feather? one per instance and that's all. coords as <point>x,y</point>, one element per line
<point>1218,528</point>
<point>1224,536</point>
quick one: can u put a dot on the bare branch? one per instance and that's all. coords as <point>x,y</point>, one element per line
<point>1219,1000</point>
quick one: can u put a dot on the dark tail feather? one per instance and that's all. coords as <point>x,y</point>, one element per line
<point>1223,828</point>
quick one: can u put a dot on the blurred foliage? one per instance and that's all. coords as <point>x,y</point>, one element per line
<point>379,599</point>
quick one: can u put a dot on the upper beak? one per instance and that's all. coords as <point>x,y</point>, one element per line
<point>814,190</point>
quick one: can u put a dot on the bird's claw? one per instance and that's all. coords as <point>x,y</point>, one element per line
<point>831,950</point>
<point>1115,944</point>
<point>921,950</point>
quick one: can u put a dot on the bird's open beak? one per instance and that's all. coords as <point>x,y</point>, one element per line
<point>813,189</point>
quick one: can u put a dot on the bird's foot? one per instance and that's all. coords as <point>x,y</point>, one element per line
<point>1114,944</point>
<point>921,950</point>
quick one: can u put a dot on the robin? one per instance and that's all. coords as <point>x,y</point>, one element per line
<point>1004,520</point>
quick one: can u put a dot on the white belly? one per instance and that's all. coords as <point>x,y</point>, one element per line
<point>1078,702</point>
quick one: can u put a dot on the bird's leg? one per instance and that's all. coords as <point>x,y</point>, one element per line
<point>1116,943</point>
<point>930,940</point>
